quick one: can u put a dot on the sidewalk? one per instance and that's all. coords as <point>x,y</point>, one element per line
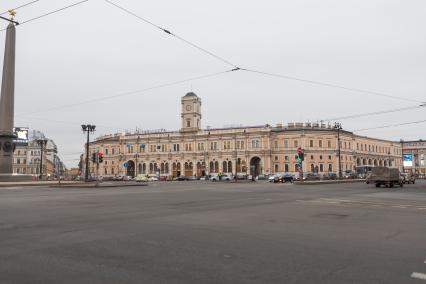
<point>69,184</point>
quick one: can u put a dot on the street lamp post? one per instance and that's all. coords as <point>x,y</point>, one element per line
<point>402,154</point>
<point>89,129</point>
<point>338,127</point>
<point>42,143</point>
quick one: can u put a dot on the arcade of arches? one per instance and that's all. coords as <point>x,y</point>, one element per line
<point>188,168</point>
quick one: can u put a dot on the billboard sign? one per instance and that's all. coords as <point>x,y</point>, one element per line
<point>21,136</point>
<point>408,160</point>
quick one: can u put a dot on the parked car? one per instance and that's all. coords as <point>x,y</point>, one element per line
<point>203,178</point>
<point>311,176</point>
<point>350,175</point>
<point>329,176</point>
<point>284,178</point>
<point>214,177</point>
<point>261,177</point>
<point>118,178</point>
<point>227,177</point>
<point>272,178</point>
<point>127,178</point>
<point>141,178</point>
<point>153,178</point>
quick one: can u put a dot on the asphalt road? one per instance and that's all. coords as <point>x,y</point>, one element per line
<point>203,232</point>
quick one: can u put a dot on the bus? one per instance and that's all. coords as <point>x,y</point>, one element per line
<point>362,171</point>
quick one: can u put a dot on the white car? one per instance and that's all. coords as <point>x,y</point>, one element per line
<point>271,178</point>
<point>227,177</point>
<point>141,178</point>
<point>214,178</point>
<point>153,179</point>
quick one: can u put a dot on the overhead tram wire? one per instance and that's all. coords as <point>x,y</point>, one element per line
<point>331,85</point>
<point>133,92</point>
<point>21,6</point>
<point>390,125</point>
<point>374,113</point>
<point>49,13</point>
<point>257,71</point>
<point>173,34</point>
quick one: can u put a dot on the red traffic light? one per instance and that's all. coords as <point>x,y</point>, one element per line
<point>299,150</point>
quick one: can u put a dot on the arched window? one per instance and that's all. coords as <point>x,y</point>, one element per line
<point>225,166</point>
<point>330,167</point>
<point>312,168</point>
<point>139,168</point>
<point>286,168</point>
<point>144,168</point>
<point>216,166</point>
<point>229,167</point>
<point>321,168</point>
<point>166,168</point>
<point>212,167</point>
<point>276,168</point>
<point>151,168</point>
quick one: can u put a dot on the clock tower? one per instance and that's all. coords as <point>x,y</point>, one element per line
<point>191,113</point>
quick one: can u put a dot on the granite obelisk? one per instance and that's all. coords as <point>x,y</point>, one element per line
<point>7,105</point>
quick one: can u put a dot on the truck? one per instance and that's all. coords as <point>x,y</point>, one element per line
<point>385,176</point>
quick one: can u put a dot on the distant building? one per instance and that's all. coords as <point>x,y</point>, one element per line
<point>26,158</point>
<point>263,149</point>
<point>416,151</point>
<point>72,173</point>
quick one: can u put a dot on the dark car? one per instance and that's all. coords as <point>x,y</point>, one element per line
<point>350,175</point>
<point>283,178</point>
<point>311,176</point>
<point>329,176</point>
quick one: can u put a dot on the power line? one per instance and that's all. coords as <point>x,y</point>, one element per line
<point>390,125</point>
<point>330,85</point>
<point>256,71</point>
<point>22,6</point>
<point>133,92</point>
<point>173,34</point>
<point>49,13</point>
<point>374,113</point>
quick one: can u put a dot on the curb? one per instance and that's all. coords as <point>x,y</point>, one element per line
<point>93,185</point>
<point>328,182</point>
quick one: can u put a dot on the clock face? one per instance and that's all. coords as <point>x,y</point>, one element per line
<point>188,107</point>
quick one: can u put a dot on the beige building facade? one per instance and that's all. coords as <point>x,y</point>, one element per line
<point>264,149</point>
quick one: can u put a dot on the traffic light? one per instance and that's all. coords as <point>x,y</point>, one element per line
<point>100,157</point>
<point>93,157</point>
<point>300,154</point>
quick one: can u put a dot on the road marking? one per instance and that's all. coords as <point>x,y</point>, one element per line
<point>418,275</point>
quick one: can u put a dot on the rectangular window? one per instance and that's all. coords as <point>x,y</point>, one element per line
<point>255,143</point>
<point>311,143</point>
<point>213,146</point>
<point>296,144</point>
<point>286,144</point>
<point>276,144</point>
<point>320,143</point>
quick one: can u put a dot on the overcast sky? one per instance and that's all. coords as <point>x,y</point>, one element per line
<point>95,50</point>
